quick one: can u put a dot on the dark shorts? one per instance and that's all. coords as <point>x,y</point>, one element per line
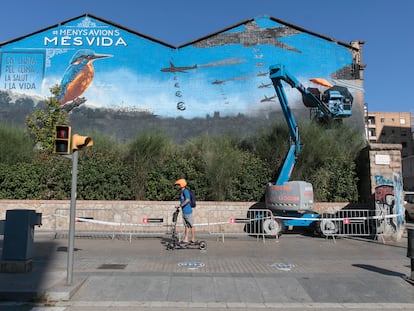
<point>188,220</point>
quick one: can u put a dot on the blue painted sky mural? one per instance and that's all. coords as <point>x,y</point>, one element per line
<point>225,72</point>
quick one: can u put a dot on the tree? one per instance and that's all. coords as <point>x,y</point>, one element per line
<point>42,122</point>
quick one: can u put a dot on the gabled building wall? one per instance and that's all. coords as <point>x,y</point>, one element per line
<point>216,83</point>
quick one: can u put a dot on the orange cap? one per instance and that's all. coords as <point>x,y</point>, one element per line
<point>181,182</point>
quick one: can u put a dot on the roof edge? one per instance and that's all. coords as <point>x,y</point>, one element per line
<point>347,45</point>
<point>95,17</point>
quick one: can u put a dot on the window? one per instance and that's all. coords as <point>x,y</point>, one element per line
<point>371,120</point>
<point>402,121</point>
<point>382,120</point>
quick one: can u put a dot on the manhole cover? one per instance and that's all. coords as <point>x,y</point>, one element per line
<point>191,264</point>
<point>112,266</point>
<point>283,266</point>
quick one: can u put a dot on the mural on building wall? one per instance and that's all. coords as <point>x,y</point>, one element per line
<point>100,65</point>
<point>388,201</point>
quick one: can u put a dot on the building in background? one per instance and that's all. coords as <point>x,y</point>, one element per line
<point>394,128</point>
<point>391,128</point>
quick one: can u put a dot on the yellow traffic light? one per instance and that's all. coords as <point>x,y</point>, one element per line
<point>62,140</point>
<point>79,142</point>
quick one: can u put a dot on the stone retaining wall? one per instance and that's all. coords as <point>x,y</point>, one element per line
<point>55,213</point>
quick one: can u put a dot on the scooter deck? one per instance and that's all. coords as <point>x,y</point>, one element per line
<point>190,245</point>
<point>187,245</point>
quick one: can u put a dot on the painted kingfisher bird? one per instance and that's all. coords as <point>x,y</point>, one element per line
<point>78,75</point>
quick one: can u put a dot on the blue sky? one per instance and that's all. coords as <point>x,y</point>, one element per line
<point>385,26</point>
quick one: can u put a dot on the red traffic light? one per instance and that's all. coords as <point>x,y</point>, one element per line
<point>62,139</point>
<point>62,132</point>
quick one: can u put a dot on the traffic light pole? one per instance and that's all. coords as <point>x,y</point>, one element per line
<point>72,217</point>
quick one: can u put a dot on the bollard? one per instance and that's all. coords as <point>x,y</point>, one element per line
<point>410,250</point>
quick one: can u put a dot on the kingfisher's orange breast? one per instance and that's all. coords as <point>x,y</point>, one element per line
<point>79,84</point>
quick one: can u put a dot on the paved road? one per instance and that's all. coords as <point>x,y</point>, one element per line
<point>296,272</point>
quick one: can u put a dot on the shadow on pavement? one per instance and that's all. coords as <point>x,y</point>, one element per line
<point>29,286</point>
<point>379,270</point>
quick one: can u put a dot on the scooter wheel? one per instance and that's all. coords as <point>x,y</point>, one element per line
<point>202,245</point>
<point>170,245</point>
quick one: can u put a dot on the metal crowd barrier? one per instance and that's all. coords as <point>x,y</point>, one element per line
<point>349,223</point>
<point>105,223</point>
<point>89,222</point>
<point>221,222</point>
<point>235,222</point>
<point>143,225</point>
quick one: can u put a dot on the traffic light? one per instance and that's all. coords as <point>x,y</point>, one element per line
<point>65,143</point>
<point>79,142</point>
<point>62,140</point>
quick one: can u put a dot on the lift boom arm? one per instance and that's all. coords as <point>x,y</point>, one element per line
<point>277,74</point>
<point>336,104</point>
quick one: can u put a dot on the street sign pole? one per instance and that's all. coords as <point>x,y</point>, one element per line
<point>72,216</point>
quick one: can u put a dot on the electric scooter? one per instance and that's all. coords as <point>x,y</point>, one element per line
<point>175,243</point>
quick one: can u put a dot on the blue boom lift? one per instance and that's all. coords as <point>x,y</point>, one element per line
<point>292,201</point>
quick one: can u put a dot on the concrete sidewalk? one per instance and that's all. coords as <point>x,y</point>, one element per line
<point>296,272</point>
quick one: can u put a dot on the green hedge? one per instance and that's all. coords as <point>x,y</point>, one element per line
<point>219,168</point>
